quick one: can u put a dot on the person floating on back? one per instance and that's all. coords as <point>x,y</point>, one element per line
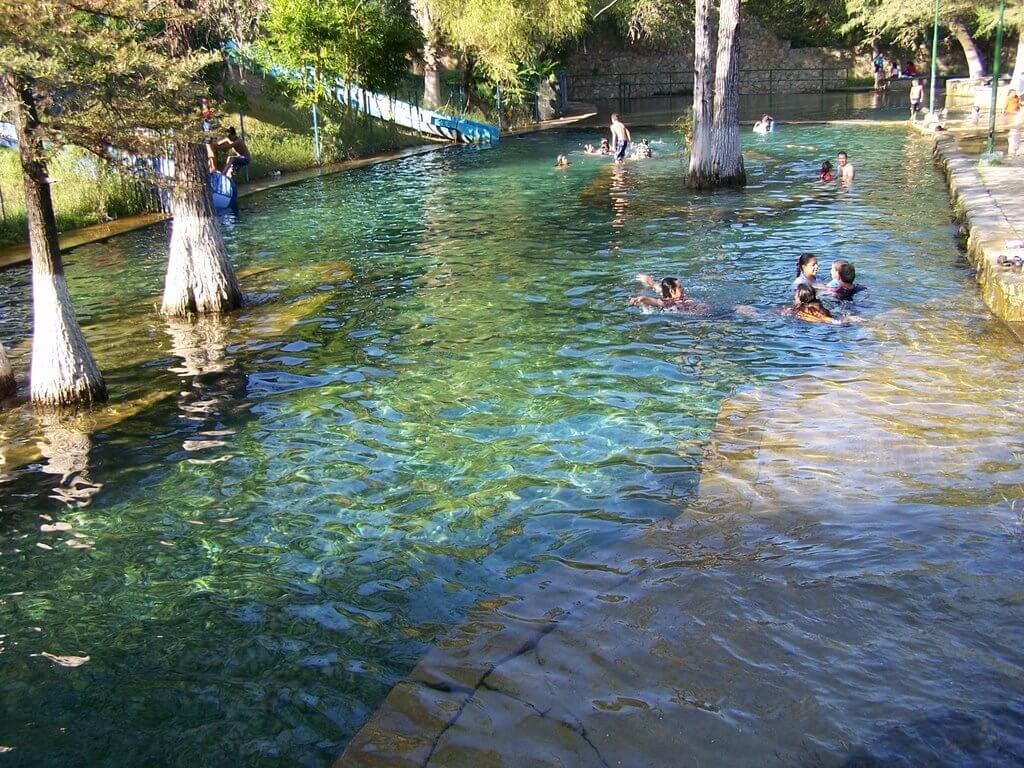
<point>846,169</point>
<point>843,283</point>
<point>620,137</point>
<point>673,298</point>
<point>239,157</point>
<point>825,174</point>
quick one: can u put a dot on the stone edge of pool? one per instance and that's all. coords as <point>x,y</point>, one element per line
<point>980,198</point>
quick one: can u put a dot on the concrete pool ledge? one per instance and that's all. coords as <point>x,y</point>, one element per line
<point>986,201</point>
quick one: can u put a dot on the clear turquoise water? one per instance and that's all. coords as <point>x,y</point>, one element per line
<point>437,394</point>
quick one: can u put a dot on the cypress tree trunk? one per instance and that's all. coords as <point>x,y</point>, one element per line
<point>975,62</point>
<point>7,385</point>
<point>1017,82</point>
<point>431,72</point>
<point>200,278</point>
<point>700,152</point>
<point>727,159</point>
<point>63,371</point>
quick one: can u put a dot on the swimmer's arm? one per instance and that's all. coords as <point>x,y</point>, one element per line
<point>629,136</point>
<point>647,280</point>
<point>645,301</point>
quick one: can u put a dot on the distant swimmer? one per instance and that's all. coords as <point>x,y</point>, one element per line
<point>621,137</point>
<point>562,162</point>
<point>643,150</point>
<point>673,298</point>
<point>825,174</point>
<point>846,169</point>
<point>843,284</point>
<point>765,125</point>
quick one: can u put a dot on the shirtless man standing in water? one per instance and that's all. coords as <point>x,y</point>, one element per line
<point>846,171</point>
<point>620,138</point>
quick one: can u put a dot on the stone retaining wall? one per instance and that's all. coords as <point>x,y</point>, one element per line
<point>606,66</point>
<point>979,211</point>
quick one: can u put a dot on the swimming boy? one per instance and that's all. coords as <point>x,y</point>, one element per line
<point>620,137</point>
<point>843,285</point>
<point>240,158</point>
<point>673,297</point>
<point>846,169</point>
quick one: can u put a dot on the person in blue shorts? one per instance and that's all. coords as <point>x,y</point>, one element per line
<point>620,138</point>
<point>238,151</point>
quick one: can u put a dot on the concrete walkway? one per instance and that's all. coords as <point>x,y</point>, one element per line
<point>986,201</point>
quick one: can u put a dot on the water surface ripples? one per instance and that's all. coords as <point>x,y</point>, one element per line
<point>438,395</point>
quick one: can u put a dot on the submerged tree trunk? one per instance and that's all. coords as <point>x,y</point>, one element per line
<point>727,159</point>
<point>975,62</point>
<point>7,385</point>
<point>700,148</point>
<point>431,71</point>
<point>200,278</point>
<point>63,371</point>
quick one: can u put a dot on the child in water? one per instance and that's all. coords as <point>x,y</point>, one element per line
<point>826,171</point>
<point>673,297</point>
<point>562,162</point>
<point>806,271</point>
<point>842,285</point>
<point>807,307</point>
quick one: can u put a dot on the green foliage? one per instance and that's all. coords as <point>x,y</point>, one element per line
<point>802,22</point>
<point>365,42</point>
<point>683,128</point>
<point>85,191</point>
<point>503,36</point>
<point>905,21</point>
<point>104,71</point>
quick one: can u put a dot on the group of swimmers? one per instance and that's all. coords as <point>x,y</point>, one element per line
<point>618,146</point>
<point>805,304</point>
<point>846,172</point>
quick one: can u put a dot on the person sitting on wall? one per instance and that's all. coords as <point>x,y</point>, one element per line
<point>239,152</point>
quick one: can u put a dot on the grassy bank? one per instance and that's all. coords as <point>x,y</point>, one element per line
<point>86,191</point>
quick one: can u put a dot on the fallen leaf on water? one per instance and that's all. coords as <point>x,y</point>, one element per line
<point>55,527</point>
<point>64,661</point>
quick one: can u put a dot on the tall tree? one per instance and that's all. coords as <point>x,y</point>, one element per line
<point>200,278</point>
<point>431,54</point>
<point>727,158</point>
<point>63,371</point>
<point>7,384</point>
<point>364,42</point>
<point>98,74</point>
<point>903,21</point>
<point>502,35</point>
<point>701,164</point>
